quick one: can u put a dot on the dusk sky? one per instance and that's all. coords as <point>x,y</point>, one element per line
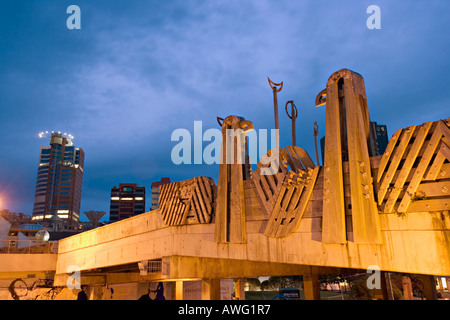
<point>138,70</point>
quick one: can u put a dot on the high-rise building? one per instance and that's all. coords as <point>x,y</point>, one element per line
<point>382,137</point>
<point>322,148</point>
<point>59,181</point>
<point>126,201</point>
<point>155,192</point>
<point>379,138</point>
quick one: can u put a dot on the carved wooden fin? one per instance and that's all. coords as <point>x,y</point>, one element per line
<point>285,194</point>
<point>420,181</point>
<point>187,202</point>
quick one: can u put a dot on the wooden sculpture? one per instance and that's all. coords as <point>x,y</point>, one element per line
<point>346,139</point>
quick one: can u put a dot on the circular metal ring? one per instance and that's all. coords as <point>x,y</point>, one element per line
<point>295,113</point>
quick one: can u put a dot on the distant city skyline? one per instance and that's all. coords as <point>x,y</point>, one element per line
<point>136,71</point>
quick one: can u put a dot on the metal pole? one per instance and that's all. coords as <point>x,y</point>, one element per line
<point>292,116</point>
<point>275,90</point>
<point>391,292</point>
<point>316,132</point>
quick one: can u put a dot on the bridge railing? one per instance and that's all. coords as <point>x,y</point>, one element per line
<point>28,246</point>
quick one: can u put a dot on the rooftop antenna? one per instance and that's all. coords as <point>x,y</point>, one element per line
<point>47,134</point>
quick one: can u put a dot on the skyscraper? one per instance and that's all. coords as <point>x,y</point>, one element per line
<point>59,181</point>
<point>382,137</point>
<point>379,131</point>
<point>155,192</point>
<point>126,201</point>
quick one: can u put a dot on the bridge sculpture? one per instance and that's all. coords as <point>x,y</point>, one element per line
<point>357,210</point>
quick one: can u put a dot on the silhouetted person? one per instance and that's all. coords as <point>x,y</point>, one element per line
<point>82,295</point>
<point>146,296</point>
<point>159,293</point>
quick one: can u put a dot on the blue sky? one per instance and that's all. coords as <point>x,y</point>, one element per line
<point>138,70</point>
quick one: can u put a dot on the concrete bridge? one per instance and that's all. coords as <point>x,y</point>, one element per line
<point>358,210</point>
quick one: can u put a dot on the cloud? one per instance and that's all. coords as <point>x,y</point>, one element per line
<point>136,71</point>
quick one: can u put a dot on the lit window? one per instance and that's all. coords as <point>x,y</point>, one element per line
<point>126,199</point>
<point>63,211</point>
<point>115,198</point>
<point>63,216</point>
<point>444,283</point>
<point>139,198</point>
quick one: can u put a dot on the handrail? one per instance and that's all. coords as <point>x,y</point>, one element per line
<point>28,246</point>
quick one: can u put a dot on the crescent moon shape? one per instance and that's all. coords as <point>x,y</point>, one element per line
<point>321,98</point>
<point>273,85</point>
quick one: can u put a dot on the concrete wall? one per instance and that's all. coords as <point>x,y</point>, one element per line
<point>27,262</point>
<point>24,290</point>
<point>414,243</point>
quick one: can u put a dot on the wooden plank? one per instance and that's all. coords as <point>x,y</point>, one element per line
<point>304,157</point>
<point>271,183</point>
<point>429,205</point>
<point>445,172</point>
<point>395,161</point>
<point>181,209</point>
<point>423,164</point>
<point>387,153</point>
<point>365,220</point>
<point>169,202</point>
<point>304,201</point>
<point>268,195</point>
<point>164,190</point>
<point>292,156</point>
<point>288,198</point>
<point>256,178</point>
<point>207,183</point>
<point>333,222</point>
<point>266,187</point>
<point>198,209</point>
<point>176,206</point>
<point>434,189</point>
<point>237,229</point>
<point>201,210</point>
<point>291,211</point>
<point>221,228</point>
<point>444,149</point>
<point>407,166</point>
<point>435,168</point>
<point>297,196</point>
<point>283,213</point>
<point>272,223</point>
<point>205,195</point>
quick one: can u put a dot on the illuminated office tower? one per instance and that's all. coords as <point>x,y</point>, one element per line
<point>59,181</point>
<point>126,201</point>
<point>155,192</point>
